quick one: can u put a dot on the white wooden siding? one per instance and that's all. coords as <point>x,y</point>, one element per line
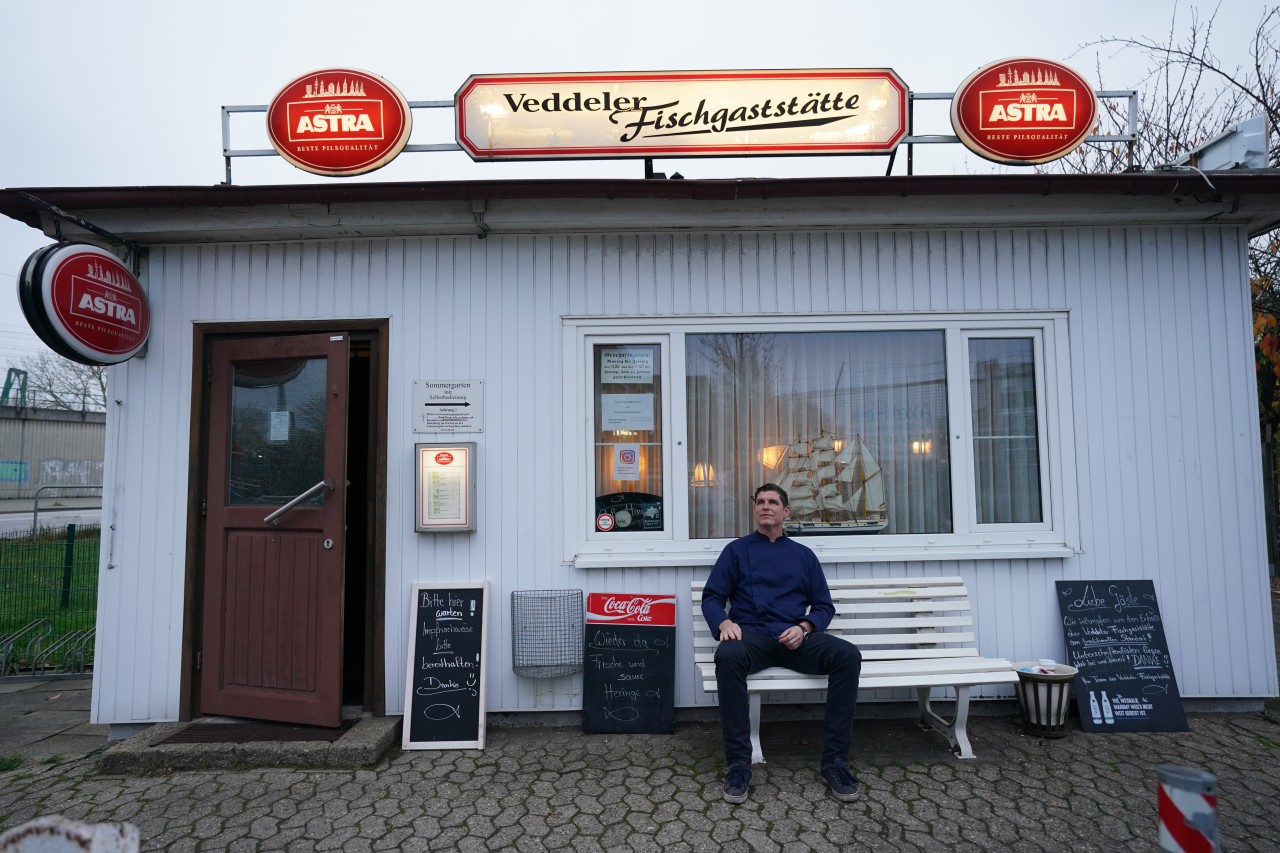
<point>1161,371</point>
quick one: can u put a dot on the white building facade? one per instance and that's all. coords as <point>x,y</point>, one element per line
<point>1052,377</point>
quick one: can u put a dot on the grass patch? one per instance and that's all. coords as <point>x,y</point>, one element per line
<point>10,762</point>
<point>53,759</point>
<point>35,583</point>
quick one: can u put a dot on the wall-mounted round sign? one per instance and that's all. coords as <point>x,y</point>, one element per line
<point>84,303</point>
<point>29,299</point>
<point>1023,111</point>
<point>339,122</point>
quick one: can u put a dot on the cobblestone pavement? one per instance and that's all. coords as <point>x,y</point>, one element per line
<point>536,789</point>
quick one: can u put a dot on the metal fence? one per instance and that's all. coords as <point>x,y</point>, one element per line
<point>48,600</point>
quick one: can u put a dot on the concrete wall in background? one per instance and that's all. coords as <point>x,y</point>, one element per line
<point>50,447</point>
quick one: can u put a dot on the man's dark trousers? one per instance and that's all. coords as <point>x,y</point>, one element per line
<point>819,654</point>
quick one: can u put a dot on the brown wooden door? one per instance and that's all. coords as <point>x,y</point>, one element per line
<point>272,629</point>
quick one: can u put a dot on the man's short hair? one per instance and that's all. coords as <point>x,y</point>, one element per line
<point>772,487</point>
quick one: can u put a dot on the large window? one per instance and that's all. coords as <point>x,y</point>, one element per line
<point>894,438</point>
<point>851,424</point>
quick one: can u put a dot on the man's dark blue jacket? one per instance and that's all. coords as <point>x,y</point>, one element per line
<point>767,587</point>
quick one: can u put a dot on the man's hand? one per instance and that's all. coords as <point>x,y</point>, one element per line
<point>730,630</point>
<point>792,637</point>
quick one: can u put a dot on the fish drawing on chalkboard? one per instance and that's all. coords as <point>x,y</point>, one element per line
<point>626,715</point>
<point>442,712</point>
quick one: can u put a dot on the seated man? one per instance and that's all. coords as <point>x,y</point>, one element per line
<point>778,607</point>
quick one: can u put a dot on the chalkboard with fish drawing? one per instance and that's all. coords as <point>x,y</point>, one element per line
<point>444,701</point>
<point>628,682</point>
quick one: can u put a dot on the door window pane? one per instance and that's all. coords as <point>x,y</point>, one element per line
<point>1006,450</point>
<point>628,438</point>
<point>852,424</point>
<point>277,431</point>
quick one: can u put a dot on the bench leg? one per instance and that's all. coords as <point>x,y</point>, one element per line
<point>757,754</point>
<point>955,730</point>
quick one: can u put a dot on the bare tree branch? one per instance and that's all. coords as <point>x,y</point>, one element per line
<point>54,382</point>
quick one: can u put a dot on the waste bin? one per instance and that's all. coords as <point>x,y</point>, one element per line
<point>1045,697</point>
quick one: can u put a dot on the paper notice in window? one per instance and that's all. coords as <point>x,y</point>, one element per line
<point>278,429</point>
<point>626,412</point>
<point>626,366</point>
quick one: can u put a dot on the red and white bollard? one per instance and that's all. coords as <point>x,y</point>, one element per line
<point>1188,810</point>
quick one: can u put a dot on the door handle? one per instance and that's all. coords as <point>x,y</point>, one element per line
<point>274,518</point>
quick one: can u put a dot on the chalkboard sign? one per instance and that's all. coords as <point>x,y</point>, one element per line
<point>629,674</point>
<point>444,674</point>
<point>1116,640</point>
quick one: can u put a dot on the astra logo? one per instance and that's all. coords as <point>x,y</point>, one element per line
<point>1028,113</point>
<point>108,309</point>
<point>339,123</point>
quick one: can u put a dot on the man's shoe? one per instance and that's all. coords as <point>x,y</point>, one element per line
<point>844,787</point>
<point>735,784</point>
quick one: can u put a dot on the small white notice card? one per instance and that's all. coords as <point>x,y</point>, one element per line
<point>626,411</point>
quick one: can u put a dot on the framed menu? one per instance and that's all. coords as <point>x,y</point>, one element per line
<point>446,493</point>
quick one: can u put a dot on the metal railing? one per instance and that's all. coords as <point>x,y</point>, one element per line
<point>911,139</point>
<point>35,511</point>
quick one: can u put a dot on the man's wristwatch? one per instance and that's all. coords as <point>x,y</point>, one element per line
<point>803,632</point>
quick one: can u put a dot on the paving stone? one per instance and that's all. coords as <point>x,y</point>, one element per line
<point>548,789</point>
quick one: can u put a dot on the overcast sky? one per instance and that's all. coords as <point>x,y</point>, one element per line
<point>129,93</point>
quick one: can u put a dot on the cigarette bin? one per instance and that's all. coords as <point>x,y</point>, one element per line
<point>1044,694</point>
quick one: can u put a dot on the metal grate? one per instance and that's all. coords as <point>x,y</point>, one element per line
<point>546,632</point>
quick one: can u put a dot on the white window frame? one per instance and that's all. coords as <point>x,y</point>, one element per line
<point>964,433</point>
<point>665,361</point>
<point>1055,536</point>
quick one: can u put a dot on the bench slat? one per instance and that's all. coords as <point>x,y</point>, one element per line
<point>877,624</point>
<point>932,653</point>
<point>877,589</point>
<point>862,583</point>
<point>704,651</point>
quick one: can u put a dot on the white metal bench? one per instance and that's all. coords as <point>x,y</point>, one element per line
<point>912,632</point>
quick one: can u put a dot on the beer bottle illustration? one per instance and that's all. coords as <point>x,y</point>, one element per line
<point>1107,716</point>
<point>1093,709</point>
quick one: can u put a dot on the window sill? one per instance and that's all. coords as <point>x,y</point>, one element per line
<point>704,553</point>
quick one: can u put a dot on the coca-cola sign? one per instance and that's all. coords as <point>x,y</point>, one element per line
<point>339,122</point>
<point>631,609</point>
<point>1023,111</point>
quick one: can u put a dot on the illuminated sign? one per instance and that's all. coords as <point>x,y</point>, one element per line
<point>339,122</point>
<point>680,114</point>
<point>1023,111</point>
<point>84,303</point>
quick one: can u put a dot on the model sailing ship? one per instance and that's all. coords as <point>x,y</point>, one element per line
<point>835,486</point>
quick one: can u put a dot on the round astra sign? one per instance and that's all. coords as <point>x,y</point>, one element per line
<point>84,303</point>
<point>33,310</point>
<point>339,122</point>
<point>1023,111</point>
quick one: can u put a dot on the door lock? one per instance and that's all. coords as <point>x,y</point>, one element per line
<point>328,544</point>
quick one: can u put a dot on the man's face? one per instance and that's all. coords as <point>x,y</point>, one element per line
<point>769,509</point>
